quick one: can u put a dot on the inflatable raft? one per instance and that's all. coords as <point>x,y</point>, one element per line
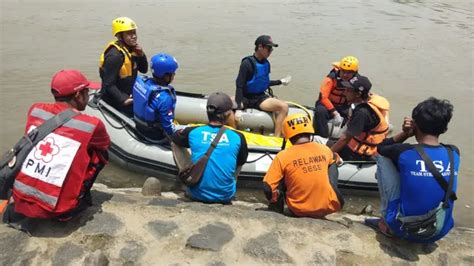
<point>130,151</point>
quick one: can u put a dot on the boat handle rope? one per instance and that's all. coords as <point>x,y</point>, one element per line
<point>108,121</point>
<point>265,154</point>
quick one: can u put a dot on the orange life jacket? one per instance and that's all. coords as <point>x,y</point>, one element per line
<point>333,89</point>
<point>366,143</point>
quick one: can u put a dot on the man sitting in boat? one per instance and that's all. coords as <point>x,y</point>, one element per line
<point>58,174</point>
<point>417,183</point>
<point>367,124</point>
<point>332,103</point>
<point>253,81</point>
<point>218,182</point>
<point>119,64</point>
<point>304,175</point>
<point>155,99</point>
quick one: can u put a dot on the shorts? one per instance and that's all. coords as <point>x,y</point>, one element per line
<point>254,100</point>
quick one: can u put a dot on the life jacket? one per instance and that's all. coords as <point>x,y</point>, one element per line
<point>261,77</point>
<point>144,91</point>
<point>56,170</point>
<point>383,105</point>
<point>127,67</point>
<point>366,143</point>
<point>336,96</point>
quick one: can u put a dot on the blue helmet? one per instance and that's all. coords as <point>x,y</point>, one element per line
<point>162,64</point>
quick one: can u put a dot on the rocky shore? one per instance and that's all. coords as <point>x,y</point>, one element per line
<point>126,228</point>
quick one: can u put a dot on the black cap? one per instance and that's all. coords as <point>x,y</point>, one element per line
<point>358,83</point>
<point>265,40</point>
<point>219,102</point>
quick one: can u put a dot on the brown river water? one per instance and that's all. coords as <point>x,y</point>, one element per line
<point>410,50</point>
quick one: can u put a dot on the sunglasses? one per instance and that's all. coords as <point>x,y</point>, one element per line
<point>269,48</point>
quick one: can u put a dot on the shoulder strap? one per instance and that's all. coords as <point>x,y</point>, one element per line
<point>39,133</point>
<point>215,141</point>
<point>432,168</point>
<point>253,62</point>
<point>50,125</point>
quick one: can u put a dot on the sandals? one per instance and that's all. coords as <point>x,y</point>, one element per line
<point>378,224</point>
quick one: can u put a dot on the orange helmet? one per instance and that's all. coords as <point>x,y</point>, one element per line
<point>297,124</point>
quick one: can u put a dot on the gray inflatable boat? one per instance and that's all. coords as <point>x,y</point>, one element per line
<point>134,153</point>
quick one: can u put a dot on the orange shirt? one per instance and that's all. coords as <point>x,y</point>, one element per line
<point>304,168</point>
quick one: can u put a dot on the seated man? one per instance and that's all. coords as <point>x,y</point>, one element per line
<point>367,125</point>
<point>408,188</point>
<point>304,175</point>
<point>70,158</point>
<point>332,103</point>
<point>218,182</point>
<point>254,80</point>
<point>155,99</point>
<point>119,65</point>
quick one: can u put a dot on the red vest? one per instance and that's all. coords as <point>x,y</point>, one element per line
<point>52,176</point>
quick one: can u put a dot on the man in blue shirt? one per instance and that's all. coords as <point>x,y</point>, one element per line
<point>155,99</point>
<point>218,182</point>
<point>409,192</point>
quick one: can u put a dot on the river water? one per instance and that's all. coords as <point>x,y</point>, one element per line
<point>410,50</point>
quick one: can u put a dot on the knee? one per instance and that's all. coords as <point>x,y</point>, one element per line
<point>320,110</point>
<point>283,108</point>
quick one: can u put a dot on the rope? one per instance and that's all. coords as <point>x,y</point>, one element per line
<point>107,120</point>
<point>266,154</point>
<point>310,115</point>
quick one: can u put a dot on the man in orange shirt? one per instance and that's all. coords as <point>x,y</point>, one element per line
<point>304,174</point>
<point>332,104</point>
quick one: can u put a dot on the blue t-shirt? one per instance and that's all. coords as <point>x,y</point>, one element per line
<point>218,182</point>
<point>419,190</point>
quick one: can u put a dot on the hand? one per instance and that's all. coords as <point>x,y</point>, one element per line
<point>337,119</point>
<point>238,116</point>
<point>286,80</point>
<point>128,101</point>
<point>138,50</point>
<point>407,126</point>
<point>339,160</point>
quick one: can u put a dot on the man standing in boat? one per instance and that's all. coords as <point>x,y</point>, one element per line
<point>253,81</point>
<point>218,181</point>
<point>417,183</point>
<point>155,99</point>
<point>58,174</point>
<point>367,125</point>
<point>332,103</point>
<point>119,64</point>
<point>304,175</point>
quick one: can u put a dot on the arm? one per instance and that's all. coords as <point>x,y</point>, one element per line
<point>360,118</point>
<point>110,72</point>
<point>243,154</point>
<point>164,106</point>
<point>272,179</point>
<point>180,137</point>
<point>245,74</point>
<point>325,89</point>
<point>341,142</point>
<point>100,142</point>
<point>275,82</point>
<point>142,63</point>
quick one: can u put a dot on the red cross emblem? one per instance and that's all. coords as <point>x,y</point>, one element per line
<point>46,149</point>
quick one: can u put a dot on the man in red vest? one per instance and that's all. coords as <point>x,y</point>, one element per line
<point>56,177</point>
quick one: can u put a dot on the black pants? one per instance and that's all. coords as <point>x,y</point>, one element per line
<point>322,117</point>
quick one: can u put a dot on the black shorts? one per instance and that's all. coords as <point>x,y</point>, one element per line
<point>254,100</point>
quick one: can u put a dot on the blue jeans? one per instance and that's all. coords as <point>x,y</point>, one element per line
<point>388,179</point>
